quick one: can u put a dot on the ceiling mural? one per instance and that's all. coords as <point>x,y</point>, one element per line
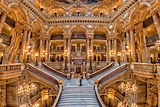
<point>54,8</point>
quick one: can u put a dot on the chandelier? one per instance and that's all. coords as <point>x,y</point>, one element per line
<point>158,44</point>
<point>127,88</point>
<point>28,105</point>
<point>130,91</point>
<point>25,89</point>
<point>121,104</point>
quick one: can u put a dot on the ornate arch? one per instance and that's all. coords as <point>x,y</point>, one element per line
<point>37,26</point>
<point>55,29</point>
<point>136,14</point>
<point>19,12</point>
<point>78,28</point>
<point>101,29</point>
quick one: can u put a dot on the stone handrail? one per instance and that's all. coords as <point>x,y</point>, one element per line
<point>144,67</point>
<point>112,73</point>
<point>100,71</point>
<point>55,71</point>
<point>58,97</point>
<point>98,96</point>
<point>10,70</point>
<point>7,68</point>
<point>43,74</point>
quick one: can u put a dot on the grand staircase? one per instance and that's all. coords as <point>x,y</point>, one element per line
<point>74,95</point>
<point>49,72</point>
<point>91,80</point>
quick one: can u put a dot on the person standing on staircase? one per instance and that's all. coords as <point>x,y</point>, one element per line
<point>80,79</point>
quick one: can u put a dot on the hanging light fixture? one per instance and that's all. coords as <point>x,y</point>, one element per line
<point>25,89</point>
<point>130,91</point>
<point>127,88</point>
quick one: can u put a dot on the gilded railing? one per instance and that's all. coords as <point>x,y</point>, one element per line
<point>144,67</point>
<point>100,71</point>
<point>43,74</point>
<point>7,68</point>
<point>10,70</point>
<point>55,71</point>
<point>113,73</point>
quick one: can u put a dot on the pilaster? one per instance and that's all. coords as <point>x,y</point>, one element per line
<point>3,96</point>
<point>107,51</point>
<point>132,44</point>
<point>47,50</point>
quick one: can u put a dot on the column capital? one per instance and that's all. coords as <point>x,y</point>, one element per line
<point>129,27</point>
<point>26,26</point>
<point>154,12</point>
<point>112,36</point>
<point>67,35</point>
<point>43,36</point>
<point>89,35</point>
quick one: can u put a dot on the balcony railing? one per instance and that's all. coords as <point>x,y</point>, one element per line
<point>10,70</point>
<point>145,67</point>
<point>56,50</point>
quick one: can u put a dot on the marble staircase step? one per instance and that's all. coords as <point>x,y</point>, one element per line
<point>79,105</point>
<point>78,96</point>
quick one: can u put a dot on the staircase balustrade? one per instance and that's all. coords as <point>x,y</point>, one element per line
<point>113,73</point>
<point>42,74</point>
<point>58,97</point>
<point>55,71</point>
<point>97,93</point>
<point>100,71</point>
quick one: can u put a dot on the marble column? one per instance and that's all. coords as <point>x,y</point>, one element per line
<point>67,46</point>
<point>122,48</point>
<point>47,50</point>
<point>87,48</point>
<point>128,39</point>
<point>40,49</point>
<point>28,38</point>
<point>156,21</point>
<point>2,20</point>
<point>124,51</point>
<point>23,46</point>
<point>109,50</point>
<point>33,50</point>
<point>115,49</point>
<point>69,49</point>
<point>132,45</point>
<point>89,37</point>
